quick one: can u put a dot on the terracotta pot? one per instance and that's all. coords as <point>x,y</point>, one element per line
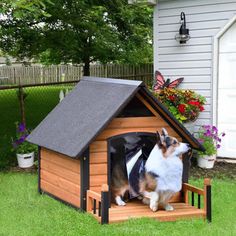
<point>206,162</point>
<point>25,160</point>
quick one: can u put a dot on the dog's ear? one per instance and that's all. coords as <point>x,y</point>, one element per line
<point>164,132</point>
<point>159,141</point>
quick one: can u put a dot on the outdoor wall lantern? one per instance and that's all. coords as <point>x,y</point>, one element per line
<point>183,35</point>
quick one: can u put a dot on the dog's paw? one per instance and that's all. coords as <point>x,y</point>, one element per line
<point>168,207</point>
<point>119,201</point>
<point>154,201</point>
<point>140,197</point>
<point>153,206</point>
<point>146,201</point>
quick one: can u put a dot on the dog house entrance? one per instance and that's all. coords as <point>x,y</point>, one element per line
<point>127,154</point>
<point>122,149</point>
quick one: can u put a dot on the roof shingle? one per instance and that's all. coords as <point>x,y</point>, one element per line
<point>75,122</point>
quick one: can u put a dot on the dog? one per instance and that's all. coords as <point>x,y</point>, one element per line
<point>163,172</point>
<point>161,177</point>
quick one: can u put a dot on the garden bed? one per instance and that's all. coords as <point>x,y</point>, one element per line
<point>221,170</point>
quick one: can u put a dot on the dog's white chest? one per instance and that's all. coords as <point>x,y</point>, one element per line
<point>170,177</point>
<point>168,169</point>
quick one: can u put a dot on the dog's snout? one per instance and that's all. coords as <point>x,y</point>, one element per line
<point>185,147</point>
<point>188,146</point>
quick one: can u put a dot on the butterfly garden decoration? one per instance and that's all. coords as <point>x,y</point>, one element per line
<point>160,83</point>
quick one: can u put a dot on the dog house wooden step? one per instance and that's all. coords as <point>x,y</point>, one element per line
<point>138,210</point>
<point>135,209</point>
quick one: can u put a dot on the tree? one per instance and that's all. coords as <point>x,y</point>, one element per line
<point>81,31</point>
<point>21,8</point>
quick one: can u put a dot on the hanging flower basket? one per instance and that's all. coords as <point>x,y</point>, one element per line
<point>185,105</point>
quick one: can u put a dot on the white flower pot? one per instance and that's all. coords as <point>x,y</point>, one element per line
<point>206,162</point>
<point>25,160</point>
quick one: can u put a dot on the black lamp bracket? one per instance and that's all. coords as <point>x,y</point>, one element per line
<point>182,19</point>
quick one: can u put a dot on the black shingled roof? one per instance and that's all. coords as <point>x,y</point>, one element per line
<point>76,121</point>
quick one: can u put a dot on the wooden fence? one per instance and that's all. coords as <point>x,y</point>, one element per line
<point>10,75</point>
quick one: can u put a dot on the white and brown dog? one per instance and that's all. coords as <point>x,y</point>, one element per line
<point>162,177</point>
<point>163,172</point>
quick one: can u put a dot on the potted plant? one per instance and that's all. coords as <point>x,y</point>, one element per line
<point>185,105</point>
<point>24,150</point>
<point>210,138</point>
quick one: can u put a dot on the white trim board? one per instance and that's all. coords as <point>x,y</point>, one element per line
<point>216,67</point>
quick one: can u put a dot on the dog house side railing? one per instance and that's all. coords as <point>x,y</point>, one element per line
<point>98,204</point>
<point>205,193</point>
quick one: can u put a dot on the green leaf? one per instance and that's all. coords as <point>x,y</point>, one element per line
<point>182,118</point>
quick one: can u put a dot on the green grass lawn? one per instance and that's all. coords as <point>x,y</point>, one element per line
<point>24,212</point>
<point>38,103</point>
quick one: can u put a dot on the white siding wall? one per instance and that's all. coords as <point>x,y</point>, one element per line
<point>194,60</point>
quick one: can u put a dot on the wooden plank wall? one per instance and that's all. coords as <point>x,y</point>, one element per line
<point>60,176</point>
<point>98,149</point>
<point>135,124</point>
<point>98,164</point>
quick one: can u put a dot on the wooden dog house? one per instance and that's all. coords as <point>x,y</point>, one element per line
<point>74,148</point>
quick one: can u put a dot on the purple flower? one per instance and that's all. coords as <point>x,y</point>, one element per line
<point>206,127</point>
<point>21,127</point>
<point>22,138</point>
<point>214,129</point>
<point>223,134</point>
<point>218,146</point>
<point>207,133</point>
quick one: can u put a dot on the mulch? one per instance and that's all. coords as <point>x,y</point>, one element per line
<point>221,170</point>
<point>31,170</point>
